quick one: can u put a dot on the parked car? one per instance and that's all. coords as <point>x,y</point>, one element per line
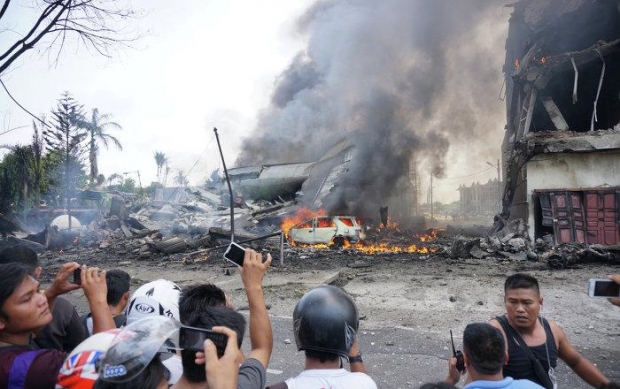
<point>328,230</point>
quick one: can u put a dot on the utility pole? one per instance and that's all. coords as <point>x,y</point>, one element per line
<point>232,202</point>
<point>432,216</point>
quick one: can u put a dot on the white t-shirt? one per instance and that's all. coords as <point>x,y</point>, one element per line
<point>330,379</point>
<point>175,366</point>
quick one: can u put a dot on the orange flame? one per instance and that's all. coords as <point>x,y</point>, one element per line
<point>517,63</point>
<point>301,215</point>
<point>390,225</point>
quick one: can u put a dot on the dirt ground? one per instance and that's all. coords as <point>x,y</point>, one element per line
<point>428,294</point>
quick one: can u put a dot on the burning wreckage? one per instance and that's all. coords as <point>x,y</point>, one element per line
<point>561,155</point>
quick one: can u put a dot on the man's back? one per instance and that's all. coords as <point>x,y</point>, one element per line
<point>330,378</point>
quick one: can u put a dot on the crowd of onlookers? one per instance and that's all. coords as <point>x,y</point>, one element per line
<point>154,337</point>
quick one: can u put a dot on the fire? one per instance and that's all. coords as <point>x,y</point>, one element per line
<point>390,225</point>
<point>386,248</point>
<point>517,63</point>
<point>301,215</point>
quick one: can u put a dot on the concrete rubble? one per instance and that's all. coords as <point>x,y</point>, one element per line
<point>196,228</point>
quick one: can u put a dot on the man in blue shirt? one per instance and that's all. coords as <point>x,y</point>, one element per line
<point>484,352</point>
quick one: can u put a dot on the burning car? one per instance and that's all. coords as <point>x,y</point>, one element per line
<point>328,230</point>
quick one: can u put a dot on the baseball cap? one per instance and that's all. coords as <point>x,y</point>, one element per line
<point>159,297</point>
<point>79,370</point>
<point>135,346</point>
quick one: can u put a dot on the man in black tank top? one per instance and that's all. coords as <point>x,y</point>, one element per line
<point>533,343</point>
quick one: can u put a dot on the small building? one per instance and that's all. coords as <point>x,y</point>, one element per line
<point>480,199</point>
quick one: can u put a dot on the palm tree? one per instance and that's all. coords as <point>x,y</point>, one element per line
<point>96,128</point>
<point>160,160</point>
<point>115,177</point>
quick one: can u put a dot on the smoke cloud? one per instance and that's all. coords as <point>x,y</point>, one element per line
<point>401,79</point>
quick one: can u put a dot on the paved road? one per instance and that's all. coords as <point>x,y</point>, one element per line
<point>403,357</point>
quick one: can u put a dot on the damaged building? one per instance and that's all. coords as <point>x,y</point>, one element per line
<point>561,148</point>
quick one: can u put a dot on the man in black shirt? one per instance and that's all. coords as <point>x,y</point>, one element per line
<point>534,343</point>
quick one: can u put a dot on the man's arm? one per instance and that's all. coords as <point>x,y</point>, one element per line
<point>96,290</point>
<point>356,366</point>
<point>580,364</point>
<point>261,336</point>
<point>61,284</point>
<point>615,278</point>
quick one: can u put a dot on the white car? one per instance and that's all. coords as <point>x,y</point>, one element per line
<point>328,230</point>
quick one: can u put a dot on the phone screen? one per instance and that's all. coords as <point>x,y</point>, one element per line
<point>193,339</point>
<point>235,254</point>
<point>77,276</point>
<point>605,288</point>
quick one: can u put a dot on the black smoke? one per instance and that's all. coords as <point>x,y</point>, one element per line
<point>401,79</point>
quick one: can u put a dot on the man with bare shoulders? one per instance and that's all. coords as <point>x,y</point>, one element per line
<point>534,343</point>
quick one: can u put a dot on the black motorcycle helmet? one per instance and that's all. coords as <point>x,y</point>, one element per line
<point>325,319</point>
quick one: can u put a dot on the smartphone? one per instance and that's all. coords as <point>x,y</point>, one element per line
<point>603,288</point>
<point>193,339</point>
<point>458,354</point>
<point>77,276</point>
<point>235,253</point>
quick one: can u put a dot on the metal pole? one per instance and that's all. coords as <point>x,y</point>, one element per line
<point>432,216</point>
<point>499,186</point>
<point>282,249</point>
<point>232,204</point>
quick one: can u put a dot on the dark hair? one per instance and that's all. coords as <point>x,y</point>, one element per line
<point>11,276</point>
<point>321,356</point>
<point>610,385</point>
<point>521,281</point>
<point>438,385</point>
<point>207,318</point>
<point>21,254</point>
<point>149,378</point>
<point>485,347</point>
<point>197,297</point>
<point>118,284</point>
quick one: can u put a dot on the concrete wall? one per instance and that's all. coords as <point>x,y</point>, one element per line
<point>570,171</point>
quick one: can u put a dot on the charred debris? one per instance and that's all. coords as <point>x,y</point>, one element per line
<point>561,181</point>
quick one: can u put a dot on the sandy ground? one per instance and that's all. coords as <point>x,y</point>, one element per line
<point>424,295</point>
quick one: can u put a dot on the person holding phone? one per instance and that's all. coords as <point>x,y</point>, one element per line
<point>203,307</point>
<point>615,300</point>
<point>24,311</point>
<point>65,331</point>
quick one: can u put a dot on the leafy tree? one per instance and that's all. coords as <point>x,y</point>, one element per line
<point>65,140</point>
<point>160,160</point>
<point>96,129</point>
<point>16,169</point>
<point>128,186</point>
<point>180,179</point>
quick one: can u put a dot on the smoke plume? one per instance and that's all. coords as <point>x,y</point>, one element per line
<point>401,79</point>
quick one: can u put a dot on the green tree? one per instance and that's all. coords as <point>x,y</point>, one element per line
<point>180,179</point>
<point>65,138</point>
<point>96,129</point>
<point>16,165</point>
<point>160,160</point>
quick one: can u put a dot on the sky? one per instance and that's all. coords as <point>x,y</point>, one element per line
<point>199,64</point>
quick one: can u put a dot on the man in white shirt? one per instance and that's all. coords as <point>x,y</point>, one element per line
<point>325,323</point>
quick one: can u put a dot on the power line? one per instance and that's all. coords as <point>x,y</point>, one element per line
<point>469,175</point>
<point>21,106</point>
